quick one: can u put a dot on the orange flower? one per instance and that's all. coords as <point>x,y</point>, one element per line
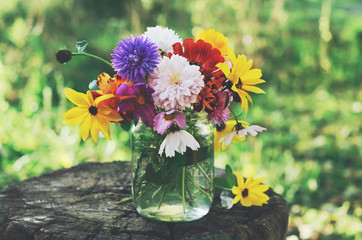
<point>207,98</point>
<point>108,85</point>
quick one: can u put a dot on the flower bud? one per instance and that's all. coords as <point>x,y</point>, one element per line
<point>63,56</point>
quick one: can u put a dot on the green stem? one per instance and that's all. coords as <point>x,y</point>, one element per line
<point>163,196</point>
<point>223,188</point>
<point>200,188</point>
<point>190,195</point>
<point>203,172</point>
<point>223,89</point>
<point>183,189</point>
<point>125,200</point>
<point>236,119</point>
<point>93,56</point>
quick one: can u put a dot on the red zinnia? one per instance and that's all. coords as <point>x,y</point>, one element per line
<point>201,54</point>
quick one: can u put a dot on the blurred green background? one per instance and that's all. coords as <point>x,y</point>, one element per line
<point>310,54</point>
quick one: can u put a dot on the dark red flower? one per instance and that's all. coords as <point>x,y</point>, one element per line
<point>201,54</point>
<point>207,98</point>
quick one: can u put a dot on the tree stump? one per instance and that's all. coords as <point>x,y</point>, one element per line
<point>82,203</point>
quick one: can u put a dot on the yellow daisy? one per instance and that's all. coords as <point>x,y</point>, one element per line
<point>250,192</point>
<point>242,77</point>
<point>216,39</point>
<point>93,115</point>
<point>222,131</point>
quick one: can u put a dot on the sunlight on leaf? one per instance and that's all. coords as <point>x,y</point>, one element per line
<point>226,199</point>
<point>93,85</point>
<point>230,176</point>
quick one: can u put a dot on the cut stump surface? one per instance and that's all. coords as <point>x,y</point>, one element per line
<point>82,203</point>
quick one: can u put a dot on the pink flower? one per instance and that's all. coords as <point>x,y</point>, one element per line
<point>165,120</point>
<point>177,83</point>
<point>221,113</point>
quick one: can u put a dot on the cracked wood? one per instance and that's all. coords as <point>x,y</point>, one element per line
<point>82,203</point>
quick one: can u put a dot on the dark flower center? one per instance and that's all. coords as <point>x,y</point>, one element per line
<point>193,62</point>
<point>245,193</point>
<point>169,117</point>
<point>221,127</point>
<point>228,84</point>
<point>93,110</point>
<point>239,85</point>
<point>238,126</point>
<point>141,100</point>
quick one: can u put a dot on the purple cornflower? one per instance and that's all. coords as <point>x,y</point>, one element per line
<point>135,58</point>
<point>140,98</point>
<point>165,120</point>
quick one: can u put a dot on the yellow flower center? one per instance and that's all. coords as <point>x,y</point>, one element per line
<point>141,100</point>
<point>175,79</point>
<point>245,193</point>
<point>93,110</point>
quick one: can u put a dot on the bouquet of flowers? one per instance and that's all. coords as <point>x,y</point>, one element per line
<point>168,86</point>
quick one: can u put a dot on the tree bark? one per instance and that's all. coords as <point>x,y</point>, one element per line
<point>82,203</point>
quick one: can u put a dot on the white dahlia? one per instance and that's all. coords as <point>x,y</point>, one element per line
<point>164,38</point>
<point>176,83</point>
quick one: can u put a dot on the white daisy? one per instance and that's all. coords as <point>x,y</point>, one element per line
<point>178,141</point>
<point>176,83</point>
<point>164,38</point>
<point>252,130</point>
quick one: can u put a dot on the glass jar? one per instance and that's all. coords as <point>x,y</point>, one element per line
<point>173,189</point>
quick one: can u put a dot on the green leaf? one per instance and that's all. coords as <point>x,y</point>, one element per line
<point>125,200</point>
<point>126,126</point>
<point>93,85</point>
<point>163,175</point>
<point>226,200</point>
<point>229,176</point>
<point>227,99</point>
<point>190,157</point>
<point>220,184</point>
<point>151,175</point>
<point>81,45</point>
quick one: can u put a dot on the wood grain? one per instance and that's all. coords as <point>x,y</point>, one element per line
<point>82,203</point>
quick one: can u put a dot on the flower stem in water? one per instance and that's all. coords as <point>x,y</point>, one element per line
<point>200,188</point>
<point>163,196</point>
<point>183,188</point>
<point>203,172</point>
